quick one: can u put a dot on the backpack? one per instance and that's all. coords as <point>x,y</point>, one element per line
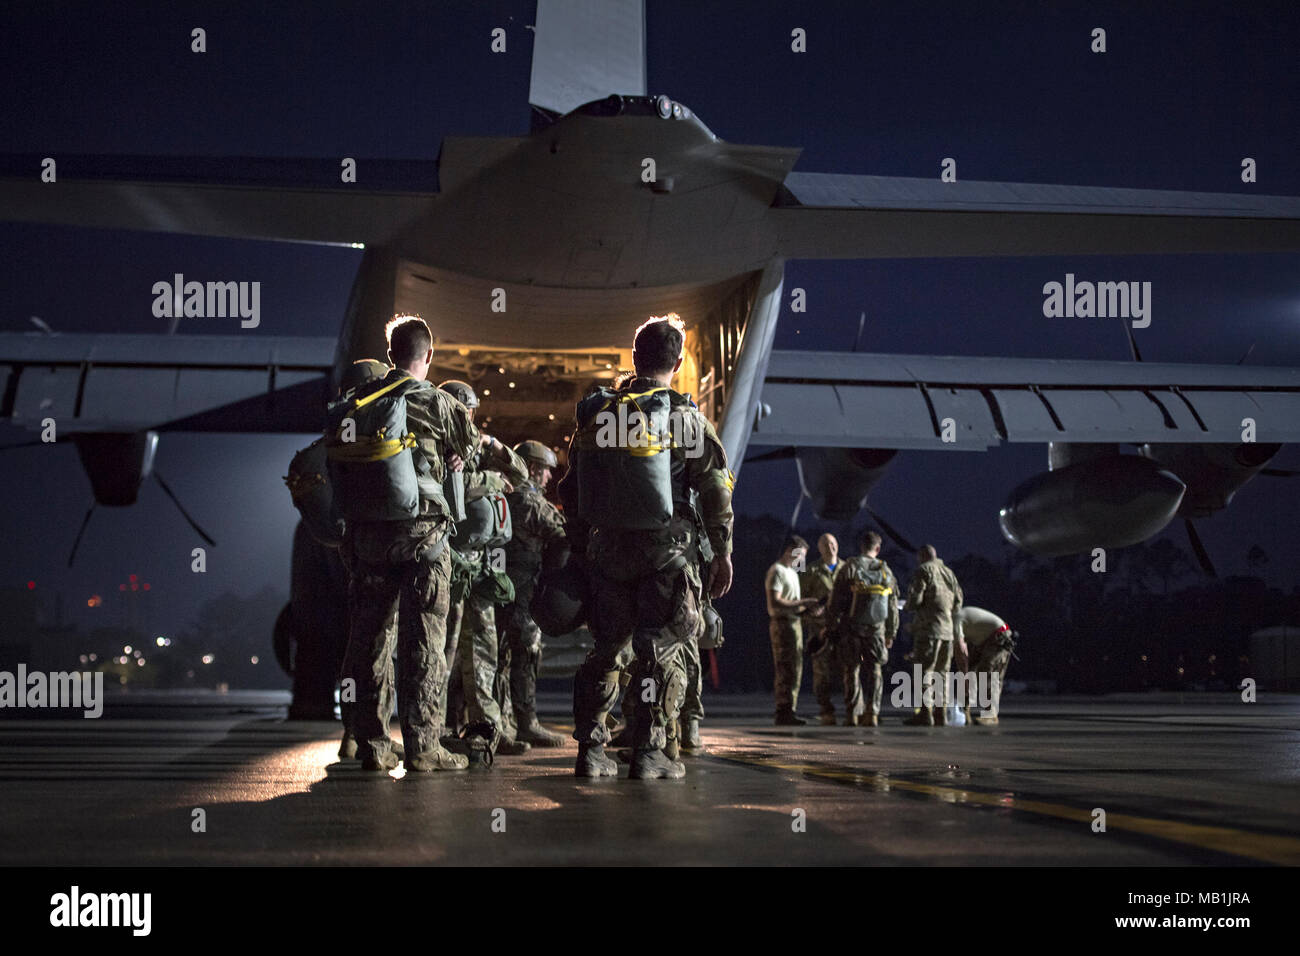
<point>373,464</point>
<point>486,524</point>
<point>871,589</point>
<point>623,467</point>
<point>313,496</point>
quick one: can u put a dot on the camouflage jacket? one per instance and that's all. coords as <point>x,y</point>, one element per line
<point>934,597</point>
<point>816,582</point>
<point>855,570</point>
<point>488,468</point>
<point>537,527</point>
<point>442,428</point>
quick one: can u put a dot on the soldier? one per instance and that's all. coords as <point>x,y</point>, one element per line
<point>821,641</point>
<point>864,612</point>
<point>491,469</point>
<point>988,641</point>
<point>784,607</point>
<point>395,544</point>
<point>537,535</point>
<point>934,597</point>
<point>636,455</point>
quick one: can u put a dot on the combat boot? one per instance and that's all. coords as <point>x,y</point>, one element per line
<point>439,758</point>
<point>984,721</point>
<point>592,762</point>
<point>655,765</point>
<point>348,748</point>
<point>512,748</point>
<point>537,735</point>
<point>922,718</point>
<point>787,718</point>
<point>690,742</point>
<point>380,764</point>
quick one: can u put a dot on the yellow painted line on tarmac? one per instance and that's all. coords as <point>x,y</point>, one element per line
<point>1262,847</point>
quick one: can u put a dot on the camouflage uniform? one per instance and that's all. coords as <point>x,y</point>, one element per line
<point>862,643</point>
<point>816,582</point>
<point>646,589</point>
<point>537,529</point>
<point>785,630</point>
<point>486,472</point>
<point>989,644</point>
<point>934,597</point>
<point>389,576</point>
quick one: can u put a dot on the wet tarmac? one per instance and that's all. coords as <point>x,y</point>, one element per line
<point>1182,779</point>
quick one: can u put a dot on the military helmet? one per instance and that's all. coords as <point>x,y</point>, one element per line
<point>560,599</point>
<point>532,450</point>
<point>360,372</point>
<point>463,392</point>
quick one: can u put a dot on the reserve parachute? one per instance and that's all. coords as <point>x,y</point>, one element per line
<point>309,486</point>
<point>373,463</point>
<point>624,469</point>
<point>486,524</point>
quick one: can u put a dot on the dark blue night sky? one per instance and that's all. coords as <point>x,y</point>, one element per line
<point>1011,91</point>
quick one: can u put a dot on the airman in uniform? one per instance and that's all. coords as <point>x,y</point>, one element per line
<point>631,493</point>
<point>538,536</point>
<point>864,613</point>
<point>400,566</point>
<point>821,641</point>
<point>934,597</point>
<point>785,607</point>
<point>988,642</point>
<point>492,468</point>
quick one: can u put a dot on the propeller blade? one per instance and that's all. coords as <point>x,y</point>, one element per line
<point>893,534</point>
<point>181,508</point>
<point>81,531</point>
<point>777,455</point>
<point>1202,555</point>
<point>1279,472</point>
<point>1132,343</point>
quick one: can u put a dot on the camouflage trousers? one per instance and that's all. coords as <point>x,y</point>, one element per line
<point>787,660</point>
<point>993,660</point>
<point>476,659</point>
<point>519,659</point>
<point>693,703</point>
<point>825,667</point>
<point>935,657</point>
<point>387,687</point>
<point>864,657</point>
<point>388,581</point>
<point>452,693</point>
<point>658,613</point>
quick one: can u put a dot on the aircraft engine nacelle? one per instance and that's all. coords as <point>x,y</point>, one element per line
<point>1212,473</point>
<point>838,480</point>
<point>116,463</point>
<point>1104,502</point>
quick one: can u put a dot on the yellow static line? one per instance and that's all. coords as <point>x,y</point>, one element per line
<point>1264,847</point>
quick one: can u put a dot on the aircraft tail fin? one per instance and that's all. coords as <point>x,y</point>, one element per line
<point>585,50</point>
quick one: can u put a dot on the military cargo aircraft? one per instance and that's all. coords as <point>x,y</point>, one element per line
<point>534,258</point>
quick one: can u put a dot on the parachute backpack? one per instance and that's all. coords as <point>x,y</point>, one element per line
<point>871,592</point>
<point>486,524</point>
<point>372,460</point>
<point>624,468</point>
<point>309,485</point>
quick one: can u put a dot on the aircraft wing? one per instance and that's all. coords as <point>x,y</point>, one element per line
<point>831,216</point>
<point>860,400</point>
<point>128,383</point>
<point>248,198</point>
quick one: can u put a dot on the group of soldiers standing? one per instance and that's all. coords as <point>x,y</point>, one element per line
<point>442,621</point>
<point>845,614</point>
